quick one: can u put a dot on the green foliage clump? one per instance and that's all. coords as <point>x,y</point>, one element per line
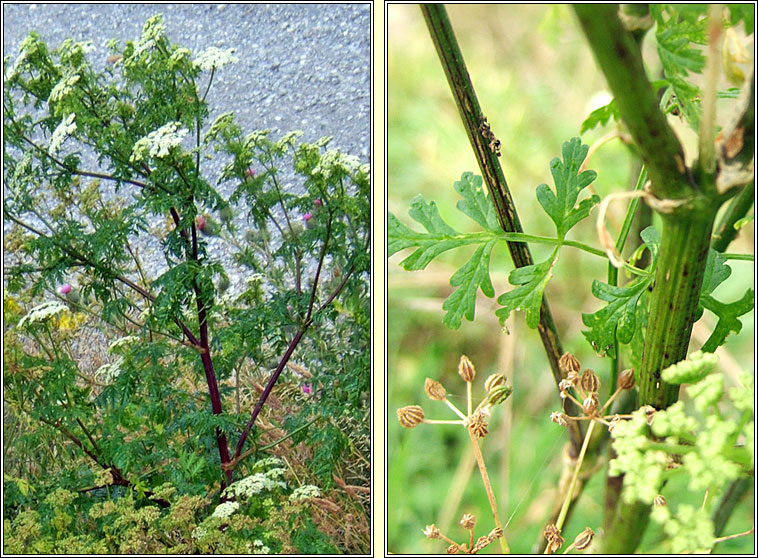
<point>130,391</point>
<point>709,448</point>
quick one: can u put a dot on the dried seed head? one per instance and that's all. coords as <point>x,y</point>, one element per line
<point>659,501</point>
<point>494,381</point>
<point>584,539</point>
<point>573,377</point>
<point>553,536</point>
<point>477,424</point>
<point>559,418</point>
<point>432,532</point>
<point>626,379</point>
<point>481,544</point>
<point>569,363</point>
<point>589,407</point>
<point>614,421</point>
<point>453,549</point>
<point>434,390</point>
<point>468,521</point>
<point>589,381</point>
<point>650,413</point>
<point>499,395</point>
<point>410,416</point>
<point>466,369</point>
<point>496,533</point>
<point>564,386</point>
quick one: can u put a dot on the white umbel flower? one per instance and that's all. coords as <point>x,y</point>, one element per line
<point>42,312</point>
<point>225,510</point>
<point>159,142</point>
<point>62,88</point>
<point>213,57</point>
<point>64,129</point>
<point>305,492</point>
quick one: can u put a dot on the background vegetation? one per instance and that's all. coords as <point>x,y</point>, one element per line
<point>533,73</point>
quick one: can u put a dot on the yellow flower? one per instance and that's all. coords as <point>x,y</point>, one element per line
<point>10,307</point>
<point>70,321</point>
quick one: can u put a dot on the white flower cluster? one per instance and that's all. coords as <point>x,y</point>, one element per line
<point>255,484</point>
<point>64,129</point>
<point>333,162</point>
<point>110,371</point>
<point>225,510</point>
<point>214,58</point>
<point>42,312</point>
<point>70,50</point>
<point>29,45</point>
<point>178,55</point>
<point>260,548</point>
<point>159,142</point>
<point>268,461</point>
<point>305,492</point>
<point>221,123</point>
<point>122,342</point>
<point>62,88</point>
<point>153,30</point>
<point>256,137</point>
<point>199,532</point>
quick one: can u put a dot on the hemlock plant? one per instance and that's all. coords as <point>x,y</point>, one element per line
<point>671,275</point>
<point>177,400</point>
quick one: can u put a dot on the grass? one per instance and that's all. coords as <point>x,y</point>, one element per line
<point>535,79</point>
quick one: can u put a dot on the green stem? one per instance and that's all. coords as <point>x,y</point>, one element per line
<point>728,501</point>
<point>451,58</point>
<point>488,488</point>
<point>280,440</point>
<point>725,232</point>
<point>674,302</point>
<point>620,59</point>
<point>688,216</point>
<point>613,272</point>
<point>570,491</point>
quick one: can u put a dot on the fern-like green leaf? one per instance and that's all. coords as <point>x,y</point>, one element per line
<point>475,274</point>
<point>561,205</point>
<point>531,281</point>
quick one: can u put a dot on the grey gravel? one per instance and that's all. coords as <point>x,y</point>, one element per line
<point>301,66</point>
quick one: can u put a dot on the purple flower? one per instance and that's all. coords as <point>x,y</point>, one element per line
<point>307,217</point>
<point>317,202</point>
<point>65,289</point>
<point>307,389</point>
<point>250,172</point>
